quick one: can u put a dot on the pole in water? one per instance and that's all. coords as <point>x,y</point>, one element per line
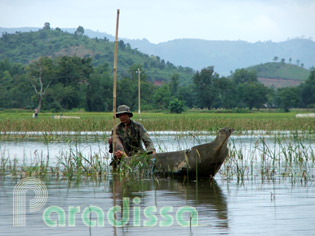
<point>114,86</point>
<point>139,101</point>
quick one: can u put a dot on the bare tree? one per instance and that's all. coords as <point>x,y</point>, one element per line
<point>40,78</point>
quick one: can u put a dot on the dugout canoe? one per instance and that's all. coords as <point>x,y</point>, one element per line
<point>203,160</point>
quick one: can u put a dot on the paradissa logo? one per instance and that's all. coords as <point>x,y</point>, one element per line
<point>186,216</point>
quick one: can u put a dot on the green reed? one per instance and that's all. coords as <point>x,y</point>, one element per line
<point>285,157</point>
<point>74,165</point>
<point>289,156</point>
<point>70,166</point>
<point>137,166</point>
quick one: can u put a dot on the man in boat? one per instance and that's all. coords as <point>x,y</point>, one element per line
<point>129,137</point>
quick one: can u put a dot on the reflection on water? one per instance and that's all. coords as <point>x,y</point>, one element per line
<point>206,199</point>
<point>163,197</point>
<point>224,208</point>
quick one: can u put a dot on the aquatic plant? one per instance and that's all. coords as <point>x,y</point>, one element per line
<point>287,157</point>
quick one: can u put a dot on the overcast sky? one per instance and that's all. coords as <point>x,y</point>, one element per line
<point>164,20</point>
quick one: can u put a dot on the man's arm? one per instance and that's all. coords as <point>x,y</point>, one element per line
<point>147,140</point>
<point>119,150</point>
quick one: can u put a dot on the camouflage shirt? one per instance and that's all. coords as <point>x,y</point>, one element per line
<point>132,136</point>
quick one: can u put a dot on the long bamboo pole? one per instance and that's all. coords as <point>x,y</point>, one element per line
<point>139,101</point>
<point>114,87</point>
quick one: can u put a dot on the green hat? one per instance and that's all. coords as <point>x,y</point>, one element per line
<point>122,109</point>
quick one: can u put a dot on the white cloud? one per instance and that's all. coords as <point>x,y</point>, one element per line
<point>163,20</point>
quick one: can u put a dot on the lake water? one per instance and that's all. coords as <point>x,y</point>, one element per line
<point>227,206</point>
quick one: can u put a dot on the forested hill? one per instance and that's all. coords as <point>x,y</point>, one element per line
<point>225,56</point>
<point>28,46</point>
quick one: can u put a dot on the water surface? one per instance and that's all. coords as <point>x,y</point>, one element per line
<point>227,206</point>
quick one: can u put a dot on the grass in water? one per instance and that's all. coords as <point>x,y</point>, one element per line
<point>279,157</point>
<point>286,157</point>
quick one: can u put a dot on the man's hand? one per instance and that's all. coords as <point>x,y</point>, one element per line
<point>119,154</point>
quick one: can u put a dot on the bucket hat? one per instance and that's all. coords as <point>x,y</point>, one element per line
<point>122,109</point>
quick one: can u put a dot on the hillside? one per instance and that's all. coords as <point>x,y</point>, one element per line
<point>225,56</point>
<point>28,46</point>
<point>280,74</point>
<point>280,71</point>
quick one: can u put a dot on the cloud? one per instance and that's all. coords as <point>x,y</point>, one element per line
<point>163,20</point>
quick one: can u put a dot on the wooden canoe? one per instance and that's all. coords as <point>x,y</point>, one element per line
<point>202,160</point>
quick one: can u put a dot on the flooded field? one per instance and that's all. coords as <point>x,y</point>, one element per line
<point>265,187</point>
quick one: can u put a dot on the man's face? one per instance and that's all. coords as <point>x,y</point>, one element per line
<point>124,118</point>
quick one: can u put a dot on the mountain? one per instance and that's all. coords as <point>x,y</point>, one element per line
<point>24,47</point>
<point>225,56</point>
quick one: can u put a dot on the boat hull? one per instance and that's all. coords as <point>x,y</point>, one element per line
<point>202,160</point>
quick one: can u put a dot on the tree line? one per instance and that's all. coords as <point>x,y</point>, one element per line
<point>67,83</point>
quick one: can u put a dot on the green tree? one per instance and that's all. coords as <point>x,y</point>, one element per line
<point>174,85</point>
<point>185,93</point>
<point>127,88</point>
<point>121,45</point>
<point>15,89</point>
<point>288,97</point>
<point>147,89</point>
<point>99,91</point>
<point>243,76</point>
<point>46,26</point>
<point>162,96</point>
<point>176,106</point>
<point>227,93</point>
<point>127,93</point>
<point>53,98</point>
<point>252,95</point>
<point>308,90</point>
<point>74,74</point>
<point>204,87</point>
<point>79,31</point>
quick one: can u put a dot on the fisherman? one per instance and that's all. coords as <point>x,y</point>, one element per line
<point>129,136</point>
